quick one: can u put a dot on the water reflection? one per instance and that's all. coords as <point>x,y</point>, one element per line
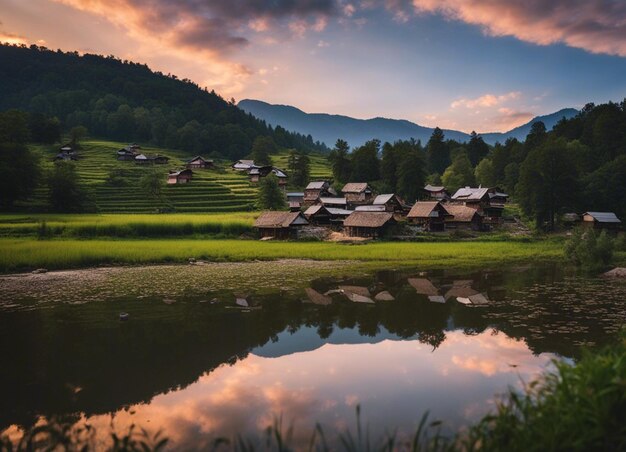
<point>221,361</point>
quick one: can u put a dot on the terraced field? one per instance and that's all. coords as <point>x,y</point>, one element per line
<point>219,190</point>
<point>320,168</point>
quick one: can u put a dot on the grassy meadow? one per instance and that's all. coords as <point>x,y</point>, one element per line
<point>27,253</point>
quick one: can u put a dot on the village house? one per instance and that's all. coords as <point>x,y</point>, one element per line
<point>367,224</point>
<point>66,148</point>
<point>601,220</point>
<point>370,208</point>
<point>463,217</point>
<point>142,159</point>
<point>66,156</point>
<point>243,165</point>
<point>315,190</point>
<point>431,215</point>
<point>295,200</point>
<point>322,215</point>
<point>488,201</point>
<point>339,203</point>
<point>280,225</point>
<point>392,203</point>
<point>199,162</point>
<point>357,193</point>
<point>179,177</point>
<point>257,172</point>
<point>436,192</point>
<point>126,154</point>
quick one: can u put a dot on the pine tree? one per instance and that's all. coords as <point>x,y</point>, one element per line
<point>270,197</point>
<point>437,152</point>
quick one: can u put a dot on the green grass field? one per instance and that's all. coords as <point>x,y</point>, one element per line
<point>24,254</point>
<point>220,190</point>
<point>126,225</point>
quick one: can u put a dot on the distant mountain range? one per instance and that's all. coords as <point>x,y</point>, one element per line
<point>327,128</point>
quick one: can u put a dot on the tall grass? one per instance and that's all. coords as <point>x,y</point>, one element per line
<point>20,254</point>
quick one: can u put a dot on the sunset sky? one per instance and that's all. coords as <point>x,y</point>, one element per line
<point>485,65</point>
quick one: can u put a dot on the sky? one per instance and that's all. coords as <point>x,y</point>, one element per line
<point>484,65</point>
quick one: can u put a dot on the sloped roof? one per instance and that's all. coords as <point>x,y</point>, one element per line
<point>314,209</point>
<point>434,188</point>
<point>199,157</point>
<point>355,187</point>
<point>333,201</point>
<point>384,199</point>
<point>371,208</point>
<point>279,173</point>
<point>317,185</point>
<point>470,194</point>
<point>423,209</point>
<point>461,213</point>
<point>339,212</point>
<point>141,157</point>
<point>604,217</point>
<point>368,219</point>
<point>423,286</point>
<point>295,194</point>
<point>273,219</point>
<point>178,173</point>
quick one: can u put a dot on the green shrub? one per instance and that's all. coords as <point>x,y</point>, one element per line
<point>590,250</point>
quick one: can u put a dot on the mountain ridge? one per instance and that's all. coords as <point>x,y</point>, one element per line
<point>327,127</point>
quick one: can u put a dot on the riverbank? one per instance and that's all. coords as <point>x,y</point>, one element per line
<point>28,254</point>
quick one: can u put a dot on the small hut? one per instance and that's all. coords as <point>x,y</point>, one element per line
<point>199,162</point>
<point>463,217</point>
<point>367,224</point>
<point>338,203</point>
<point>179,177</point>
<point>431,215</point>
<point>438,193</point>
<point>391,202</point>
<point>317,214</point>
<point>601,220</point>
<point>358,193</point>
<point>315,190</point>
<point>243,165</point>
<point>280,225</point>
<point>295,200</point>
<point>126,154</point>
<point>142,159</point>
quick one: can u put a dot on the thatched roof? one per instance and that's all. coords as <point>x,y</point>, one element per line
<point>423,286</point>
<point>355,187</point>
<point>313,210</point>
<point>424,209</point>
<point>434,189</point>
<point>180,173</point>
<point>333,201</point>
<point>273,219</point>
<point>470,194</point>
<point>368,219</point>
<point>317,185</point>
<point>461,213</point>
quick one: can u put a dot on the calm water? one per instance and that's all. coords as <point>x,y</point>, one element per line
<point>201,364</point>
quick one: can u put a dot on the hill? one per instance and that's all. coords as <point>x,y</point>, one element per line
<point>125,101</point>
<point>328,128</point>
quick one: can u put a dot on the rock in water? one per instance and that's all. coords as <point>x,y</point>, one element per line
<point>384,296</point>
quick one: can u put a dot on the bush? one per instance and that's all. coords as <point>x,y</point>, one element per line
<point>590,250</point>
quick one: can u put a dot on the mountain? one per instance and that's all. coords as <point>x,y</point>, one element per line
<point>327,128</point>
<point>126,101</point>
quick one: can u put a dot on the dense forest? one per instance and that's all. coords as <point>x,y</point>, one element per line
<point>578,166</point>
<point>126,101</point>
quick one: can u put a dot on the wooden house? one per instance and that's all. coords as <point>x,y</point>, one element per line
<point>463,217</point>
<point>66,156</point>
<point>126,154</point>
<point>160,159</point>
<point>317,214</point>
<point>281,175</point>
<point>370,208</point>
<point>601,220</point>
<point>358,193</point>
<point>367,224</point>
<point>243,165</point>
<point>179,177</point>
<point>199,162</point>
<point>330,201</point>
<point>315,190</point>
<point>142,159</point>
<point>280,225</point>
<point>438,193</point>
<point>295,200</point>
<point>488,201</point>
<point>257,172</point>
<point>391,202</point>
<point>431,215</point>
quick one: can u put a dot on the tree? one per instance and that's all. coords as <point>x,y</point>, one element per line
<point>270,197</point>
<point>14,127</point>
<point>411,175</point>
<point>484,173</point>
<point>537,135</point>
<point>437,152</point>
<point>477,149</point>
<point>340,161</point>
<point>77,134</point>
<point>548,182</point>
<point>459,174</point>
<point>365,163</point>
<point>262,148</point>
<point>43,129</point>
<point>301,171</point>
<point>65,194</point>
<point>152,184</point>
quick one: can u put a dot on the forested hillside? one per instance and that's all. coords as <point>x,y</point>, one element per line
<point>126,101</point>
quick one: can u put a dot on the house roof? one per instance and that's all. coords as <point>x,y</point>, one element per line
<point>333,201</point>
<point>339,212</point>
<point>199,157</point>
<point>273,219</point>
<point>434,188</point>
<point>314,209</point>
<point>384,199</point>
<point>279,173</point>
<point>317,185</point>
<point>141,157</point>
<point>423,286</point>
<point>295,194</point>
<point>604,217</point>
<point>461,213</point>
<point>423,209</point>
<point>470,194</point>
<point>178,173</point>
<point>368,219</point>
<point>355,187</point>
<point>371,208</point>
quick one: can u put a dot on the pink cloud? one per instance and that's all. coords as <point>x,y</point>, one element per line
<point>597,26</point>
<point>486,100</point>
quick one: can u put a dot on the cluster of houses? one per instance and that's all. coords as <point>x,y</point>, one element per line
<point>133,153</point>
<point>359,212</point>
<point>66,153</point>
<point>256,172</point>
